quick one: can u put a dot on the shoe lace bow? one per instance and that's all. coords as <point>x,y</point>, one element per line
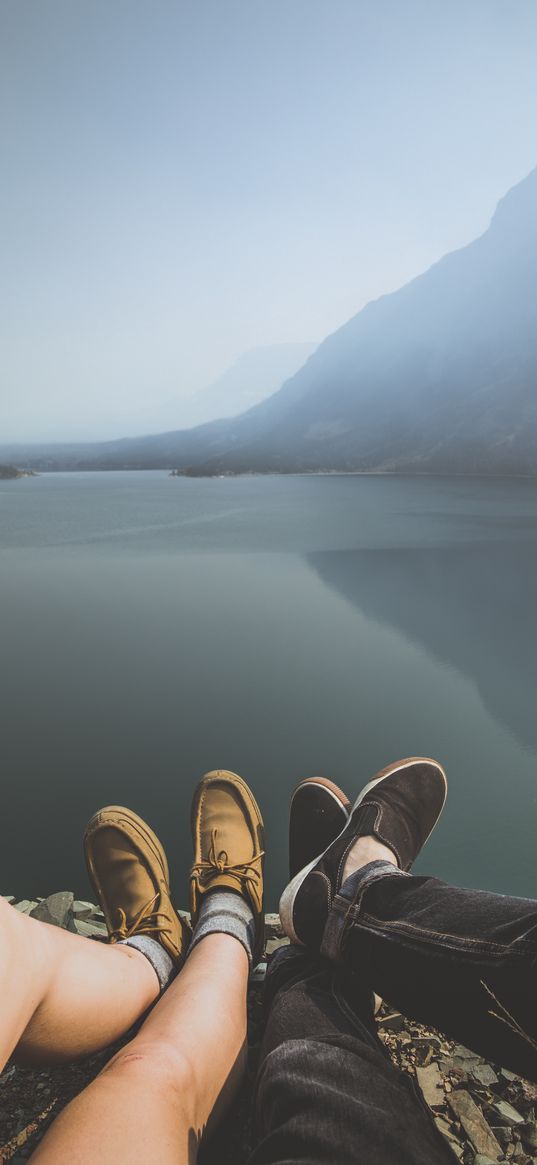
<point>147,921</point>
<point>218,860</point>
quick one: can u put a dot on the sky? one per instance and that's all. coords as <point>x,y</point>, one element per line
<point>185,180</point>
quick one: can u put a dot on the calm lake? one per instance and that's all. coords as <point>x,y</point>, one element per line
<point>154,628</point>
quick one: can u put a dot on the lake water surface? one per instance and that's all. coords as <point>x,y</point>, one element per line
<point>154,628</point>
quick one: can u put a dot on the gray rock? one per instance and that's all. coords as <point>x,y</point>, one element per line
<point>507,1113</point>
<point>91,928</point>
<point>431,1084</point>
<point>454,1064</point>
<point>26,905</point>
<point>274,943</point>
<point>464,1053</point>
<point>393,1022</point>
<point>273,926</point>
<point>56,910</point>
<point>272,920</point>
<point>474,1124</point>
<point>482,1159</point>
<point>502,1134</point>
<point>444,1127</point>
<point>8,898</point>
<point>528,1132</point>
<point>484,1074</point>
<point>83,909</point>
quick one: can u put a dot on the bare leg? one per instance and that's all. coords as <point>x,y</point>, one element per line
<point>62,995</point>
<point>152,1102</point>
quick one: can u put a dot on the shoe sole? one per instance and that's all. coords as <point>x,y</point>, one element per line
<point>288,897</point>
<point>122,816</point>
<point>335,792</point>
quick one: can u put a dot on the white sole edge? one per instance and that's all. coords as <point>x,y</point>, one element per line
<point>287,899</point>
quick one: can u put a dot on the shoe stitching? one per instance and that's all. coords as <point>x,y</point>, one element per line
<point>135,830</point>
<point>354,838</point>
<point>321,874</point>
<point>101,894</point>
<point>376,827</point>
<point>342,861</point>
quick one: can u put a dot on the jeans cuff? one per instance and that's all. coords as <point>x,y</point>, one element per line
<point>349,898</point>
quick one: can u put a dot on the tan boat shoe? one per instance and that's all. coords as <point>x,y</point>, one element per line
<point>228,840</point>
<point>128,870</point>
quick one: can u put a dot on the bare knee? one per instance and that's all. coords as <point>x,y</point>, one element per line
<point>159,1066</point>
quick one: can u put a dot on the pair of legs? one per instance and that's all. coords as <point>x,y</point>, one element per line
<point>462,961</point>
<point>63,996</point>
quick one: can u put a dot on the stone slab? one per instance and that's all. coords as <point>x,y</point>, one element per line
<point>431,1084</point>
<point>474,1124</point>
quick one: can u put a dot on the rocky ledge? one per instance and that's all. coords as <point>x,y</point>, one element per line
<point>486,1113</point>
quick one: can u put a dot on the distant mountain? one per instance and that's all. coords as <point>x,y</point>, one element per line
<point>439,377</point>
<point>254,376</point>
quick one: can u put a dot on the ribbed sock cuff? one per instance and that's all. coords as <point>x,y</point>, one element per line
<point>223,912</point>
<point>160,960</point>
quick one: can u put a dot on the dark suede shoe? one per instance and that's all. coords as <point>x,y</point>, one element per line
<point>319,811</point>
<point>400,807</point>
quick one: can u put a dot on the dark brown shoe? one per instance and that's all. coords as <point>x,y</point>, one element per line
<point>128,870</point>
<point>318,812</point>
<point>228,840</point>
<point>401,807</point>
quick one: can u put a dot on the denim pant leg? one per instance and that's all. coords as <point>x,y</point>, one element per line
<point>327,1093</point>
<point>464,961</point>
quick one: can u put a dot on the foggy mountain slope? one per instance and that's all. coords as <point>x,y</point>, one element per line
<point>253,377</point>
<point>440,376</point>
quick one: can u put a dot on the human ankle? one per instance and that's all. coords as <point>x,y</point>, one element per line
<point>367,849</point>
<point>228,913</point>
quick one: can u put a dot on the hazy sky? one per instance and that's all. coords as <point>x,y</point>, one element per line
<point>183,180</point>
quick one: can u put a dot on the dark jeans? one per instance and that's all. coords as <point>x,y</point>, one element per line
<point>464,961</point>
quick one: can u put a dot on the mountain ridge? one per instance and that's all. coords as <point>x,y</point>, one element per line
<point>439,376</point>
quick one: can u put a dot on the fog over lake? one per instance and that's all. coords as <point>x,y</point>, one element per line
<point>154,628</point>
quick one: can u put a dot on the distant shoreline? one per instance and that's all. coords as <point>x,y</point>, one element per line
<point>10,473</point>
<point>13,473</point>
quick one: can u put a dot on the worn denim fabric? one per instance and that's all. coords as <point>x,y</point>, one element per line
<point>464,961</point>
<point>327,1093</point>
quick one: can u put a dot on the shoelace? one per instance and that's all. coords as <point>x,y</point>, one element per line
<point>219,861</point>
<point>147,921</point>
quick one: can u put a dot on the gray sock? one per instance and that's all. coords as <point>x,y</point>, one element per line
<point>160,960</point>
<point>223,912</point>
